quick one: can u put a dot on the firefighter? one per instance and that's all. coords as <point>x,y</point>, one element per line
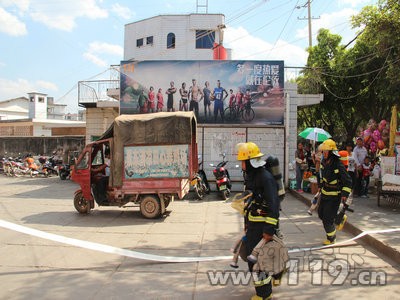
<point>261,212</point>
<point>335,185</point>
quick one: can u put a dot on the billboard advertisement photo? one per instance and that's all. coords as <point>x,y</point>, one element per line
<point>219,92</point>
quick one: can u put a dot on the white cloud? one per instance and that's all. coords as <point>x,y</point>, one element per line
<point>122,11</point>
<point>10,89</point>
<point>10,24</point>
<point>106,48</point>
<point>355,3</point>
<point>47,85</point>
<point>22,5</point>
<point>95,59</point>
<point>99,48</point>
<point>62,15</point>
<point>249,47</point>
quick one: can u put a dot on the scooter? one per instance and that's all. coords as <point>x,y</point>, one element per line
<point>64,171</point>
<point>223,180</point>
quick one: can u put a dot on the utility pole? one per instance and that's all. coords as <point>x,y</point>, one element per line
<point>309,18</point>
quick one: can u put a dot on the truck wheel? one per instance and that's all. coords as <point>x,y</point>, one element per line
<point>81,205</point>
<point>150,207</point>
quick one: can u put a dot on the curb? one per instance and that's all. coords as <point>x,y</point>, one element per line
<point>381,247</point>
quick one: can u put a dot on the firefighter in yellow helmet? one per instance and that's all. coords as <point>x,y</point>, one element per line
<point>335,185</point>
<point>262,211</point>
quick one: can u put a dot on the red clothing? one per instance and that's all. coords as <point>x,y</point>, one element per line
<point>160,101</point>
<point>239,100</point>
<point>232,100</point>
<point>246,99</point>
<point>152,104</point>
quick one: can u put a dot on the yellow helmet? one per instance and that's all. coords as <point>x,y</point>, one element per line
<point>247,151</point>
<point>328,145</point>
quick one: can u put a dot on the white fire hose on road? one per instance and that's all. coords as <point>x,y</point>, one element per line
<point>152,257</point>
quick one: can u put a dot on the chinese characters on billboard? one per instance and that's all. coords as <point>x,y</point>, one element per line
<point>229,92</point>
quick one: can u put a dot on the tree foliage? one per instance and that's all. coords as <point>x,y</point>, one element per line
<point>359,82</point>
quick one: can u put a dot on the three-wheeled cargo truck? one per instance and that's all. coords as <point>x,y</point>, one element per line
<point>147,159</point>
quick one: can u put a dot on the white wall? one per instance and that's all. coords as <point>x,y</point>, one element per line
<point>41,130</point>
<point>183,26</point>
<point>224,139</point>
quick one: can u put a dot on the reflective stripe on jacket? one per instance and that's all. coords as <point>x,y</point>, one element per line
<point>335,181</point>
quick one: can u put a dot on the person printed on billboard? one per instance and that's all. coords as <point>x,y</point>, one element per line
<point>207,99</point>
<point>184,97</point>
<point>195,95</point>
<point>151,100</point>
<point>170,100</point>
<point>218,96</point>
<point>160,100</point>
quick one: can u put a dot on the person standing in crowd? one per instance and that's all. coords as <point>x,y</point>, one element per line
<point>360,152</point>
<point>160,100</point>
<point>366,174</point>
<point>261,211</point>
<point>335,185</point>
<point>301,165</point>
<point>151,101</point>
<point>352,163</point>
<point>219,98</point>
<point>195,95</point>
<point>308,154</point>
<point>184,98</point>
<point>170,100</point>
<point>207,99</point>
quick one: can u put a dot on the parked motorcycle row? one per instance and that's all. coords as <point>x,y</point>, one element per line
<point>40,167</point>
<point>223,183</point>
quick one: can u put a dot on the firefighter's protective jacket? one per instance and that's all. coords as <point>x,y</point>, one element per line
<point>264,206</point>
<point>335,181</point>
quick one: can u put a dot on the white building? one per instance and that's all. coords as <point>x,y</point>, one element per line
<point>37,115</point>
<point>174,37</point>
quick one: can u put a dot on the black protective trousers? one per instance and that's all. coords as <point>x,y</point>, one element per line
<point>327,212</point>
<point>254,234</point>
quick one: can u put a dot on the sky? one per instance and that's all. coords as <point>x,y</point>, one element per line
<point>48,46</point>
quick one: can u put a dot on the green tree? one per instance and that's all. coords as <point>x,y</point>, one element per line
<point>359,82</point>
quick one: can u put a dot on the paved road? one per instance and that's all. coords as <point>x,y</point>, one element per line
<point>35,268</point>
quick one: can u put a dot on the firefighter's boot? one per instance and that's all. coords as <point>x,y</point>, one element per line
<point>329,241</point>
<point>255,297</point>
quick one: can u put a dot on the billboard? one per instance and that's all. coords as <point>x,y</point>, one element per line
<point>229,92</point>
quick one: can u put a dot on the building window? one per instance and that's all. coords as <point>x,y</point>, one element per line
<point>149,40</point>
<point>41,99</point>
<point>139,42</point>
<point>32,99</point>
<point>205,39</point>
<point>170,40</point>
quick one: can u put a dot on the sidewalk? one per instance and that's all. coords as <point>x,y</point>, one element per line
<point>368,216</point>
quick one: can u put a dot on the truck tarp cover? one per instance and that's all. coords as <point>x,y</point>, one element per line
<point>162,128</point>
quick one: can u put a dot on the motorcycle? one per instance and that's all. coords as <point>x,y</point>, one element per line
<point>200,182</point>
<point>223,180</point>
<point>64,171</point>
